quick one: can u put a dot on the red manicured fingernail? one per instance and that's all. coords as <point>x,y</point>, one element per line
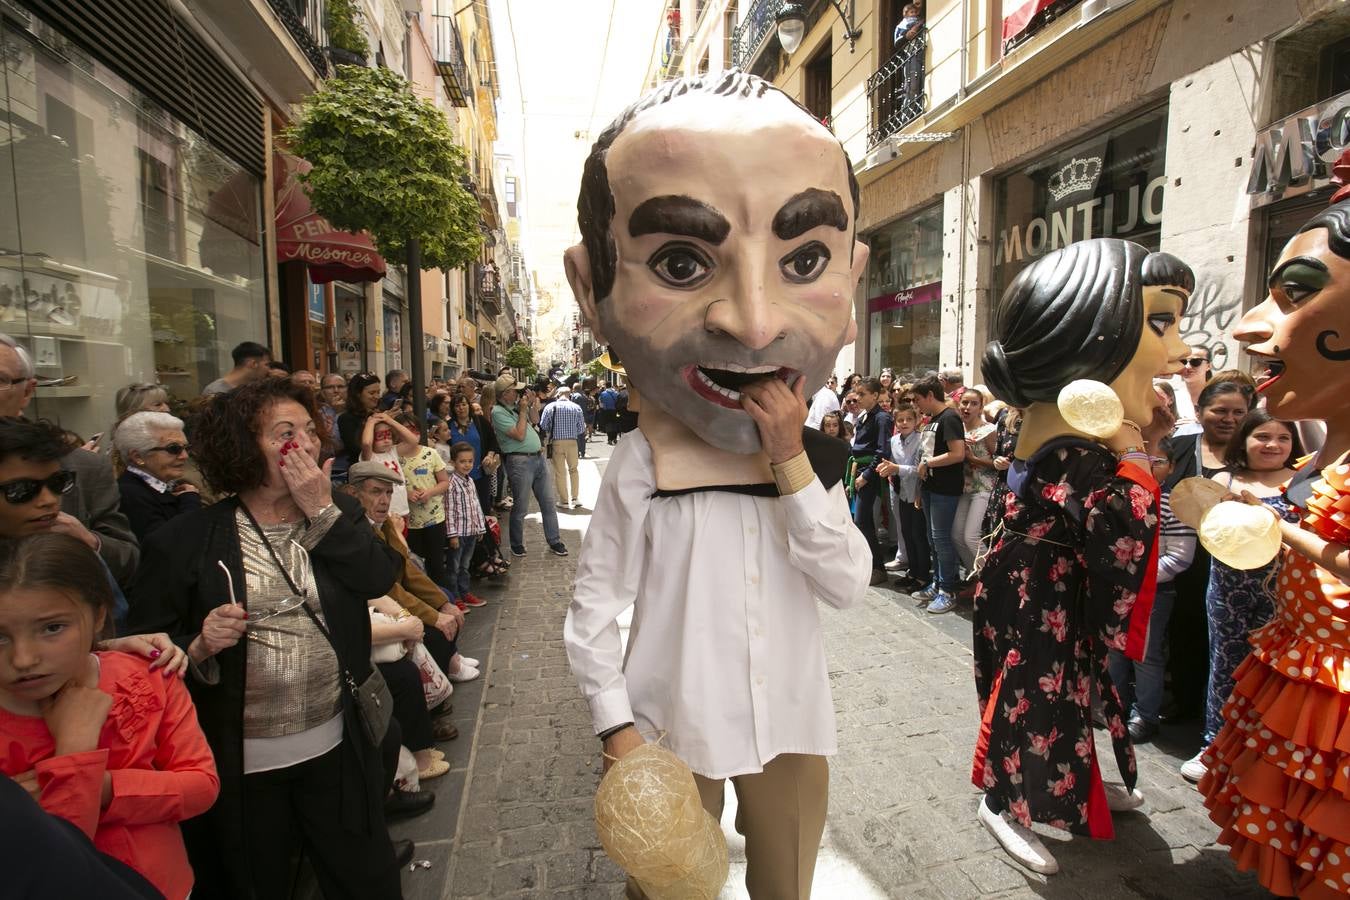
<point>154,654</point>
<point>245,614</point>
<point>282,463</point>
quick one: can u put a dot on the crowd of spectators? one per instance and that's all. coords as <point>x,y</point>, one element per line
<point>264,588</point>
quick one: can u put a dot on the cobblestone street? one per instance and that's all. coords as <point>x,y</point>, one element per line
<point>514,817</point>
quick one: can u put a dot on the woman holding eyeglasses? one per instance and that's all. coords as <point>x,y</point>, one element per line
<point>155,450</point>
<point>267,591</point>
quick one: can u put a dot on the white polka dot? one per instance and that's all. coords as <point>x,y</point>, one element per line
<point>1275,842</point>
<point>1252,829</point>
<point>1333,859</point>
<point>1314,851</point>
<point>1265,734</point>
<point>1251,742</point>
<point>1270,826</point>
<point>1289,826</point>
<point>1289,595</point>
<point>1298,756</point>
<point>1346,877</point>
<point>1296,573</point>
<point>1295,654</point>
<point>1292,670</point>
<point>1317,759</point>
<point>1307,671</point>
<point>1307,617</point>
<point>1270,751</point>
<point>1329,883</point>
<point>1323,611</point>
<point>1289,745</point>
<point>1246,809</point>
<point>1265,810</point>
<point>1323,634</point>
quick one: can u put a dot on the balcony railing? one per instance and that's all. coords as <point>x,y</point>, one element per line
<point>749,37</point>
<point>895,92</point>
<point>1043,12</point>
<point>450,62</point>
<point>303,20</point>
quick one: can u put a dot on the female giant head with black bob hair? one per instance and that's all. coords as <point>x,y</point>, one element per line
<point>1101,309</point>
<point>1076,313</point>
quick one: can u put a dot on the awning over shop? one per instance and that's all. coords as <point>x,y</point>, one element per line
<point>1016,21</point>
<point>306,236</point>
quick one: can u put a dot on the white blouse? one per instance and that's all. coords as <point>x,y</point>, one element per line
<point>725,653</point>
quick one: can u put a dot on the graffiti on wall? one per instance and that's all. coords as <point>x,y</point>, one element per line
<point>1211,314</point>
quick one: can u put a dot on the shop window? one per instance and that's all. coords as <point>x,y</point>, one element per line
<point>904,291</point>
<point>130,246</point>
<point>818,84</point>
<point>1110,185</point>
<point>1335,69</point>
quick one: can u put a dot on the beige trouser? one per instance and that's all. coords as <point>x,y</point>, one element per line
<point>565,463</point>
<point>781,813</point>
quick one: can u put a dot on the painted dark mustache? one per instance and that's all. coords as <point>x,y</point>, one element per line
<point>1324,347</point>
<point>790,351</point>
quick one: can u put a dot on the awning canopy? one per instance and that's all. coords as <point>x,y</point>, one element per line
<point>304,235</point>
<point>1017,21</point>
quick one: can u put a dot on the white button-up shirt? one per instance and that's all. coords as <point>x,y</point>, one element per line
<point>725,653</point>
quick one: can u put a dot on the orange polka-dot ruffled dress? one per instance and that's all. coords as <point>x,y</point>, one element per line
<point>1279,771</point>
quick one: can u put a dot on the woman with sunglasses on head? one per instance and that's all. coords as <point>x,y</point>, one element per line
<point>1221,407</point>
<point>267,591</point>
<point>363,400</point>
<point>153,491</point>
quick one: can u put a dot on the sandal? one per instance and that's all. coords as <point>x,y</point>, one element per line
<point>437,768</point>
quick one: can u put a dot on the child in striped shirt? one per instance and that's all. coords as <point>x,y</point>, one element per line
<point>1176,549</point>
<point>463,523</point>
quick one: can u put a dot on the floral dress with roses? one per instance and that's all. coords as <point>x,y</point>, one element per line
<point>1075,557</point>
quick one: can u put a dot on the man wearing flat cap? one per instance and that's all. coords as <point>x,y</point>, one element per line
<point>523,455</point>
<point>372,484</point>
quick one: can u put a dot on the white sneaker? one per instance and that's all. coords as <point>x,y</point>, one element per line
<point>895,565</point>
<point>468,661</point>
<point>465,673</point>
<point>1194,768</point>
<point>1020,842</point>
<point>1120,800</point>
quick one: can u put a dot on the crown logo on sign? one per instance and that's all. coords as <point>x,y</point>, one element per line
<point>1077,175</point>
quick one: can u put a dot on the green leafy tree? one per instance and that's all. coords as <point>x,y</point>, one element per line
<point>520,356</point>
<point>385,162</point>
<point>595,368</point>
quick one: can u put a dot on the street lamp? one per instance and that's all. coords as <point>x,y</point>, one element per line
<point>791,22</point>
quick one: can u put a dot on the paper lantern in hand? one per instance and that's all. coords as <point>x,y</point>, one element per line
<point>1191,498</point>
<point>653,825</point>
<point>1091,407</point>
<point>1241,535</point>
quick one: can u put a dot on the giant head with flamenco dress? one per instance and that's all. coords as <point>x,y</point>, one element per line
<point>1278,780</point>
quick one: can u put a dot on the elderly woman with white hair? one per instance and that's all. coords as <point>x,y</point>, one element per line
<point>155,450</point>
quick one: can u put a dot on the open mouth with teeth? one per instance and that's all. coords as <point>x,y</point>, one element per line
<point>722,383</point>
<point>1274,369</point>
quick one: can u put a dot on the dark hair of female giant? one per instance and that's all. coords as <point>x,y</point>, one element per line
<point>1075,313</point>
<point>1336,220</point>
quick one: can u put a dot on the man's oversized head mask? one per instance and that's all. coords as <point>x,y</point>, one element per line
<point>717,220</point>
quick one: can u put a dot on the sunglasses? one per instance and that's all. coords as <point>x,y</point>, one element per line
<point>25,490</point>
<point>1195,362</point>
<point>174,449</point>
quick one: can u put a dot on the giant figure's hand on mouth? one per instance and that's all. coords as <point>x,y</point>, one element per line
<point>779,412</point>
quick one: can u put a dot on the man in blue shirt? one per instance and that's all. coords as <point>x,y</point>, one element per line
<point>564,422</point>
<point>606,418</point>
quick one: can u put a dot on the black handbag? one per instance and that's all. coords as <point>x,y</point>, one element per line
<point>374,703</point>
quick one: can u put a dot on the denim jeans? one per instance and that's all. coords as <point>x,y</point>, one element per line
<point>460,557</point>
<point>531,474</point>
<point>865,517</point>
<point>1148,673</point>
<point>940,510</point>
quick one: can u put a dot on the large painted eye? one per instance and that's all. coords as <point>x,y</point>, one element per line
<point>804,265</point>
<point>1160,322</point>
<point>680,265</point>
<point>1297,291</point>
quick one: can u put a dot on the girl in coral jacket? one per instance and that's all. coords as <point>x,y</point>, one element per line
<point>96,737</point>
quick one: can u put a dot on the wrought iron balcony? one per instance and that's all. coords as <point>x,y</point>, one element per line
<point>895,92</point>
<point>450,61</point>
<point>755,30</point>
<point>304,20</point>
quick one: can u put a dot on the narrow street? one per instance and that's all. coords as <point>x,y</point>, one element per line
<point>514,817</point>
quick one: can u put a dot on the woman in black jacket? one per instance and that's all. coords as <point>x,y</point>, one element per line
<point>243,586</point>
<point>363,398</point>
<point>155,450</point>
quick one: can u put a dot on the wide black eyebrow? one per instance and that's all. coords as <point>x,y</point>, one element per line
<point>809,209</point>
<point>1310,261</point>
<point>676,214</point>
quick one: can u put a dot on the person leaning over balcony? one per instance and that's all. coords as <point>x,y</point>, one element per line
<point>907,34</point>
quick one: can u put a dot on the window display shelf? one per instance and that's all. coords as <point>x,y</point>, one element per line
<point>64,391</point>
